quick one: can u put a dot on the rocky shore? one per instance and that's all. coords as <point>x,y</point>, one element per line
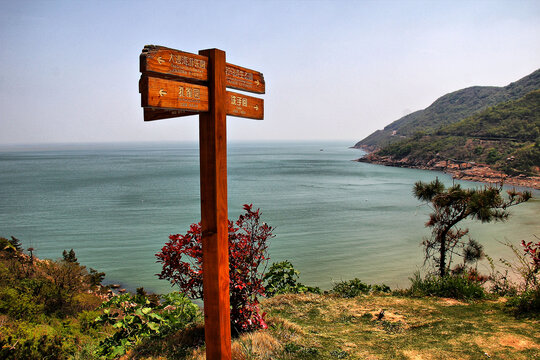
<point>458,170</point>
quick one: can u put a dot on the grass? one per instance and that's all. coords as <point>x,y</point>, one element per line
<point>309,326</point>
<point>425,328</point>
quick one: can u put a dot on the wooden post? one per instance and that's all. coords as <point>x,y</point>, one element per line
<point>175,83</point>
<point>214,217</point>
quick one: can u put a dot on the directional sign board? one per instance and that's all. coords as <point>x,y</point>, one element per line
<point>244,79</point>
<point>163,99</point>
<point>162,61</point>
<point>169,63</point>
<point>244,106</point>
<point>176,95</point>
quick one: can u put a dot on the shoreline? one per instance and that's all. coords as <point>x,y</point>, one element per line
<point>459,171</point>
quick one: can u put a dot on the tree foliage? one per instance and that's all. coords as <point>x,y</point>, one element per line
<point>454,204</point>
<point>69,256</point>
<point>181,259</point>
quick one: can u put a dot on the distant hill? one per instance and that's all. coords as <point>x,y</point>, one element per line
<point>450,109</point>
<point>506,137</point>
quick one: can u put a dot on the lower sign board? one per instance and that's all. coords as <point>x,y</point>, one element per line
<point>175,95</point>
<point>244,106</point>
<point>151,114</point>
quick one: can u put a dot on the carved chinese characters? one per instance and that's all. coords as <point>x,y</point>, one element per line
<point>174,83</point>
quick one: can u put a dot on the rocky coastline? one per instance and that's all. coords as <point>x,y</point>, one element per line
<point>458,170</point>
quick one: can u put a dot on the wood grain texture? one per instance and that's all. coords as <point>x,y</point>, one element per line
<point>169,63</point>
<point>151,114</point>
<point>241,78</point>
<point>214,217</point>
<point>245,106</point>
<point>160,61</point>
<point>170,94</point>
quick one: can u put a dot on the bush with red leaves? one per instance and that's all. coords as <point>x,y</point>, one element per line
<point>181,258</point>
<point>533,250</point>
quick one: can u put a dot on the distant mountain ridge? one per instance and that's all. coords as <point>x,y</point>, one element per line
<point>500,143</point>
<point>449,109</point>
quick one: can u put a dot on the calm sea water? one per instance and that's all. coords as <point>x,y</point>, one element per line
<point>335,219</point>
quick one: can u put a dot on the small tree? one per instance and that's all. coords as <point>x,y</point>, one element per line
<point>69,256</point>
<point>454,204</point>
<point>248,251</point>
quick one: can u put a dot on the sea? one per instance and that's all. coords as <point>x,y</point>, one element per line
<point>335,219</point>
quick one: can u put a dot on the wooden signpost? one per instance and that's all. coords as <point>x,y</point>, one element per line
<point>176,83</point>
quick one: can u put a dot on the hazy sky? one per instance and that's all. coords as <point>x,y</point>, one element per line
<point>333,69</point>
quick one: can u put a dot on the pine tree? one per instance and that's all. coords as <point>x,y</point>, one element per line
<point>69,256</point>
<point>454,204</point>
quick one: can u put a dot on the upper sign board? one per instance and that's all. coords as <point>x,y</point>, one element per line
<point>170,63</point>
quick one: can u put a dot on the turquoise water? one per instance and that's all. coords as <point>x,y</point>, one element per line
<point>335,219</point>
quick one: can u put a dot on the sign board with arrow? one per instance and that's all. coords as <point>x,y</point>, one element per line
<point>163,98</point>
<point>169,94</point>
<point>244,106</point>
<point>244,79</point>
<point>170,63</point>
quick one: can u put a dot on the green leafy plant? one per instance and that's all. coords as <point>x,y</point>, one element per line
<point>283,278</point>
<point>135,318</point>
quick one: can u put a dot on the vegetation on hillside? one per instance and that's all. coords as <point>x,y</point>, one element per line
<point>450,109</point>
<point>353,320</point>
<point>506,136</point>
<point>47,307</point>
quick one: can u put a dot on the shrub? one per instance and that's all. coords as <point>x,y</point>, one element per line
<point>282,278</point>
<point>460,287</point>
<point>19,305</point>
<point>526,265</point>
<point>136,318</point>
<point>44,347</point>
<point>355,287</point>
<point>525,295</point>
<point>248,250</point>
<point>526,303</point>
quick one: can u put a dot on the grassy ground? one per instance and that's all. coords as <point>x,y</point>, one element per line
<point>326,327</point>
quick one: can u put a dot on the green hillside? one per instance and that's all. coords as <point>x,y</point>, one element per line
<point>506,136</point>
<point>451,108</point>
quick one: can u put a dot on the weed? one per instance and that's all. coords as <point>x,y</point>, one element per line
<point>339,354</point>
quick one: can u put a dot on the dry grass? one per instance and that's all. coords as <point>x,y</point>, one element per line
<point>430,328</point>
<point>306,327</point>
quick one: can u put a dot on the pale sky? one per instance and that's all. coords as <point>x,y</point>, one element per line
<point>334,70</point>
